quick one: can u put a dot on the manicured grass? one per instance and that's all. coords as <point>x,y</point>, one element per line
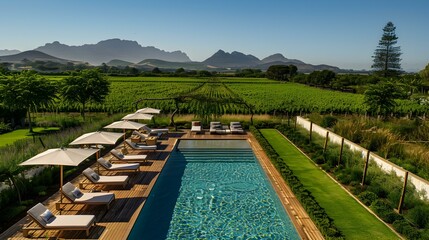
<point>349,216</point>
<point>11,137</point>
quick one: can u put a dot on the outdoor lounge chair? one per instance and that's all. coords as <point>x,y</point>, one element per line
<point>196,127</point>
<point>128,158</point>
<point>236,127</point>
<point>96,179</point>
<point>46,220</point>
<point>118,167</point>
<point>141,135</point>
<point>143,147</point>
<point>216,127</point>
<point>76,196</point>
<point>155,131</point>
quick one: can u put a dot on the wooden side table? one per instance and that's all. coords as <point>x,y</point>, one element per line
<point>151,140</point>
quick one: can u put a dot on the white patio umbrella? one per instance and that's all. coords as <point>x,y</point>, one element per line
<point>137,116</point>
<point>125,124</point>
<point>149,110</point>
<point>99,137</point>
<point>60,157</point>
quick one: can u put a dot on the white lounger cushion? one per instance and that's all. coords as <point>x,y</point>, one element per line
<point>121,166</point>
<point>155,130</point>
<point>127,157</point>
<point>196,129</point>
<point>108,180</point>
<point>71,221</point>
<point>95,198</point>
<point>140,146</point>
<point>112,179</point>
<point>61,221</point>
<point>88,198</point>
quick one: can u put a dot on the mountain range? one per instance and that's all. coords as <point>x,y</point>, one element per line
<point>122,53</point>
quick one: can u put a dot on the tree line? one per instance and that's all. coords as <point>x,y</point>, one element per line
<point>21,94</point>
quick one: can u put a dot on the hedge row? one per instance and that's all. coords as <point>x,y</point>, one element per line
<point>316,212</point>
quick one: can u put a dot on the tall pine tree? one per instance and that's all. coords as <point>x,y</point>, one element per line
<point>387,61</point>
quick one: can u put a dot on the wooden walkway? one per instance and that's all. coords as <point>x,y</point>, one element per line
<point>117,222</point>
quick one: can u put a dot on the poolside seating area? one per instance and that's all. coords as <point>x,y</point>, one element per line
<point>128,186</point>
<point>232,128</point>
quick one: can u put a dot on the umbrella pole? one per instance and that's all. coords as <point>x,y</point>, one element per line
<point>59,205</point>
<point>96,159</point>
<point>125,137</point>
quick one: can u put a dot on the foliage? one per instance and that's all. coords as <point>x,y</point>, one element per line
<point>328,121</point>
<point>424,74</point>
<point>84,87</point>
<point>380,98</point>
<point>27,91</point>
<point>4,128</point>
<point>321,78</point>
<point>281,72</point>
<point>367,197</point>
<point>387,55</point>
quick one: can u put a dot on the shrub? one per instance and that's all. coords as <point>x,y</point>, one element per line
<point>4,128</point>
<point>384,211</point>
<point>328,121</point>
<point>367,197</point>
<point>419,216</point>
<point>404,227</point>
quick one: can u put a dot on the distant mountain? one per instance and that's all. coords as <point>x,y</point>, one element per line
<point>118,63</point>
<point>106,50</point>
<point>152,63</point>
<point>302,67</point>
<point>235,59</point>
<point>6,52</point>
<point>31,56</point>
<point>280,58</point>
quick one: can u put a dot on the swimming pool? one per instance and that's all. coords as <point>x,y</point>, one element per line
<point>213,189</point>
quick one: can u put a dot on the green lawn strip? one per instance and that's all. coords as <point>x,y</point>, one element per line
<point>10,137</point>
<point>349,216</point>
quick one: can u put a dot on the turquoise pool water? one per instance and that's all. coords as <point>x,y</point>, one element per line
<point>213,189</point>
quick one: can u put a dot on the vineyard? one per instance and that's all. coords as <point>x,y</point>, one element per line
<point>263,95</point>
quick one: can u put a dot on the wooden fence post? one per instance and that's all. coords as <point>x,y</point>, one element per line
<point>341,152</point>
<point>404,189</point>
<point>311,129</point>
<point>326,142</point>
<point>365,169</point>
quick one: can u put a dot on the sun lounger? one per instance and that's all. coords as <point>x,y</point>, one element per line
<point>46,220</point>
<point>216,127</point>
<point>127,158</point>
<point>155,131</point>
<point>96,179</point>
<point>141,135</point>
<point>143,147</point>
<point>118,167</point>
<point>76,196</point>
<point>236,127</point>
<point>196,127</point>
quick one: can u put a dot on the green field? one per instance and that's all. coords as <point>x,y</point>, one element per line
<point>264,95</point>
<point>349,216</point>
<point>11,137</point>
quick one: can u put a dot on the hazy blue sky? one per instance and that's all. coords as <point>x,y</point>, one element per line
<point>336,32</point>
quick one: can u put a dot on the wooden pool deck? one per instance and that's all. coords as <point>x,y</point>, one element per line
<point>117,222</point>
